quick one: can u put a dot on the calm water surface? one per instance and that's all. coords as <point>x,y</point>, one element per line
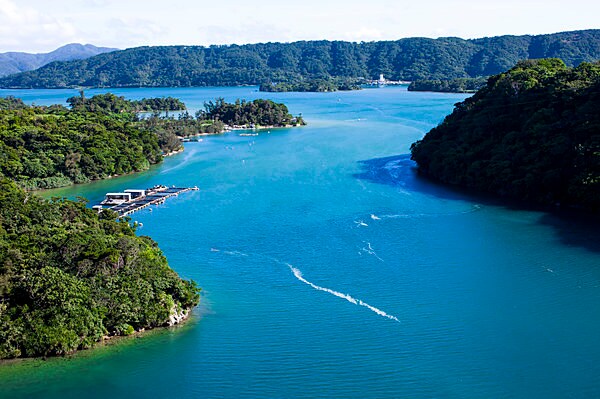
<point>330,270</point>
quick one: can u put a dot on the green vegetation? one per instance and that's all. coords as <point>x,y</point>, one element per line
<point>69,277</point>
<point>531,133</point>
<point>170,129</point>
<point>10,103</point>
<point>407,59</point>
<point>45,147</point>
<point>250,113</point>
<point>458,85</point>
<point>103,136</point>
<point>313,85</point>
<point>110,103</point>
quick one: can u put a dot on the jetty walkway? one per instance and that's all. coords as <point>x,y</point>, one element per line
<point>130,201</point>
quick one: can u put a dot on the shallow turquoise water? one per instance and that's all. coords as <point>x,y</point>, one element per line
<point>330,270</point>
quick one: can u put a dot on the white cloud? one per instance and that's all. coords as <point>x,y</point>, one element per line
<point>19,25</point>
<point>239,34</point>
<point>42,25</point>
<point>363,34</point>
<point>136,29</point>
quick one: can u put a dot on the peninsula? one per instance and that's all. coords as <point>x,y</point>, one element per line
<point>70,277</point>
<point>532,133</point>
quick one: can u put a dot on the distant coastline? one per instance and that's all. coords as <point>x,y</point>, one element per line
<point>318,65</point>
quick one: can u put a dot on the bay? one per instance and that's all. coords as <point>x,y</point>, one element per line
<point>329,269</point>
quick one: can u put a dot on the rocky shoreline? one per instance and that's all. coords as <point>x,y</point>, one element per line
<point>177,318</point>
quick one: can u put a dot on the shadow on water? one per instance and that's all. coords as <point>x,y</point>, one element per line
<point>400,171</point>
<point>574,228</point>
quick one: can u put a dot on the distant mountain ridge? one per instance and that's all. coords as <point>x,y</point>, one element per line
<point>15,62</point>
<point>254,64</point>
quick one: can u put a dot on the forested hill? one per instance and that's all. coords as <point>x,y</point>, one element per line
<point>405,59</point>
<point>531,133</point>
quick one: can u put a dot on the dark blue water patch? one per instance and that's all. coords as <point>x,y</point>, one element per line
<point>574,228</point>
<point>401,171</point>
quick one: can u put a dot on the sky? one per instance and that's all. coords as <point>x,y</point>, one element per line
<point>43,25</point>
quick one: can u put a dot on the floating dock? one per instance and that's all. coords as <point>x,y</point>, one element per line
<point>130,201</point>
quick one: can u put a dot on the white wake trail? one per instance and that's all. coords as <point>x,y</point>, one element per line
<point>474,208</point>
<point>369,249</point>
<point>298,274</point>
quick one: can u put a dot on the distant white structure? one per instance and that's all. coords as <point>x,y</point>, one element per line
<point>382,82</point>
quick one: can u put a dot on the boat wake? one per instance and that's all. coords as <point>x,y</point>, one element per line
<point>234,253</point>
<point>474,208</point>
<point>360,223</point>
<point>189,155</point>
<point>369,250</point>
<point>298,274</point>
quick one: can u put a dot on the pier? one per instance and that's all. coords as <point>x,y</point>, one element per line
<point>130,201</point>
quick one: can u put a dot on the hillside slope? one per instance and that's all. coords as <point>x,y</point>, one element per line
<point>254,64</point>
<point>531,133</point>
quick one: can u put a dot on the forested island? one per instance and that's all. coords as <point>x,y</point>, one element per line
<point>70,277</point>
<point>532,133</point>
<point>407,59</point>
<point>257,113</point>
<point>102,136</point>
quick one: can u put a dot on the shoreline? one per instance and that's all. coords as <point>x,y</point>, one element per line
<point>235,128</point>
<point>171,153</point>
<point>109,340</point>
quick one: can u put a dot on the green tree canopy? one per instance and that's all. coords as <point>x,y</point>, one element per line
<point>69,276</point>
<point>531,133</point>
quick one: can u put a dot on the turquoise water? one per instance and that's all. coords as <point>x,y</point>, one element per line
<point>330,270</point>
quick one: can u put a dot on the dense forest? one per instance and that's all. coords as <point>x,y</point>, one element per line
<point>110,103</point>
<point>254,64</point>
<point>250,113</point>
<point>531,133</point>
<point>45,147</point>
<point>69,277</point>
